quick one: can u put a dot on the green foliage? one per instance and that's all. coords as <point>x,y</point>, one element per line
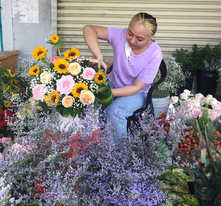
<point>176,186</point>
<point>183,57</point>
<point>8,86</point>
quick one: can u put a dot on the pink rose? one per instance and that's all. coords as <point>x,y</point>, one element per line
<point>65,84</point>
<point>213,115</point>
<point>4,140</point>
<point>53,59</point>
<point>197,113</point>
<point>174,99</point>
<point>19,148</point>
<point>213,101</point>
<point>88,73</point>
<point>199,96</point>
<point>183,96</point>
<point>39,91</point>
<point>217,107</point>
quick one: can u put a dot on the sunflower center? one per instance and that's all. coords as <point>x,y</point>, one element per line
<point>39,53</point>
<point>35,70</point>
<point>62,66</point>
<point>72,54</point>
<point>79,90</point>
<point>53,98</point>
<point>100,78</point>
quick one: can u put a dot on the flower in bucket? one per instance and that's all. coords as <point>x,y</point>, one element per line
<point>67,83</point>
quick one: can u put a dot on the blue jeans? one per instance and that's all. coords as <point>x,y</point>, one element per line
<point>123,107</point>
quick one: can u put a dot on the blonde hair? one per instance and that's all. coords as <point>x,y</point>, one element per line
<point>148,21</point>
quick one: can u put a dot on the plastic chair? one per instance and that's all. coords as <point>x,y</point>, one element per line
<point>134,119</point>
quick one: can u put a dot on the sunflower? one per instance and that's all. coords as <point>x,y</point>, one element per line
<point>7,104</point>
<point>39,52</point>
<point>78,88</point>
<point>99,77</point>
<point>61,66</point>
<point>35,70</point>
<point>54,38</point>
<point>15,84</point>
<point>11,75</point>
<point>71,54</point>
<point>52,98</point>
<point>7,89</point>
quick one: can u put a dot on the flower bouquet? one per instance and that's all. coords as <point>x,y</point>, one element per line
<point>67,83</point>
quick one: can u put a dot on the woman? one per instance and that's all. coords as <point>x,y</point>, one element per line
<point>136,61</point>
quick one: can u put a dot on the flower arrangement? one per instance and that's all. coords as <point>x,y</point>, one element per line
<point>68,83</point>
<point>174,80</point>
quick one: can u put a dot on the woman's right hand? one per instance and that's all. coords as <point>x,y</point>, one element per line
<point>103,66</point>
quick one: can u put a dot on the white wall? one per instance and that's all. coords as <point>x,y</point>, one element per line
<point>27,24</point>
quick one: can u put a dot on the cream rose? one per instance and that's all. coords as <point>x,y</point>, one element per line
<point>45,77</point>
<point>74,68</point>
<point>67,101</point>
<point>174,99</point>
<point>86,97</point>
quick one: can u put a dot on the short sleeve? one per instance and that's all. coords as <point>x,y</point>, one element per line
<point>149,72</point>
<point>115,35</point>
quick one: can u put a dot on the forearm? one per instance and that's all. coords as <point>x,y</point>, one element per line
<point>125,91</point>
<point>91,39</point>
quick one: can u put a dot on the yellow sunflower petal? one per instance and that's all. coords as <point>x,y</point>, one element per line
<point>52,98</point>
<point>71,54</point>
<point>35,70</point>
<point>54,38</point>
<point>7,104</point>
<point>78,88</point>
<point>11,75</point>
<point>99,77</point>
<point>39,52</point>
<point>61,66</point>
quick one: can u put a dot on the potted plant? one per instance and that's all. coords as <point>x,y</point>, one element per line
<point>184,58</point>
<point>207,61</point>
<point>174,80</point>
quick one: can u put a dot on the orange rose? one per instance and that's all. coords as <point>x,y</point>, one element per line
<point>74,68</point>
<point>86,97</point>
<point>67,101</point>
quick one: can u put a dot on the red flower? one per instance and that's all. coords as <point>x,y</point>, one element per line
<point>4,114</point>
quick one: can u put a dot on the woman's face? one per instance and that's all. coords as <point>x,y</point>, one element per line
<point>137,36</point>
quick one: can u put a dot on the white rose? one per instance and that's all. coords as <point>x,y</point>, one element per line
<point>45,77</point>
<point>186,91</point>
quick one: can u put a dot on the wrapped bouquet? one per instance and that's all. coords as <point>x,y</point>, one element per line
<point>70,83</point>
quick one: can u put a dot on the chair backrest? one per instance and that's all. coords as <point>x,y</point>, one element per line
<point>163,72</point>
<point>138,113</point>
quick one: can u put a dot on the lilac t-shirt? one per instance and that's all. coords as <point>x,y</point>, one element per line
<point>127,69</point>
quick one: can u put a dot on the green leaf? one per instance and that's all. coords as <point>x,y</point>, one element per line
<point>71,112</point>
<point>51,66</point>
<point>44,60</point>
<point>59,108</point>
<point>66,112</point>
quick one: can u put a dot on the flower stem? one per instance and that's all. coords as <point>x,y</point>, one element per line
<point>59,52</point>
